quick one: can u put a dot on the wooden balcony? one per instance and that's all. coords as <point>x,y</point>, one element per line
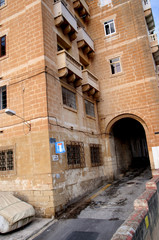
<point>82,8</point>
<point>65,20</point>
<point>69,68</point>
<point>90,84</point>
<point>148,14</point>
<point>153,42</point>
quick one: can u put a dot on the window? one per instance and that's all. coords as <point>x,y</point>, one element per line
<point>109,27</point>
<point>2,2</point>
<point>69,98</point>
<point>95,151</point>
<point>89,108</point>
<point>104,2</point>
<point>3,97</point>
<point>115,65</point>
<point>3,46</point>
<point>75,154</point>
<point>6,160</point>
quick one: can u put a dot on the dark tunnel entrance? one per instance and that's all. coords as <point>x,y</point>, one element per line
<point>130,145</point>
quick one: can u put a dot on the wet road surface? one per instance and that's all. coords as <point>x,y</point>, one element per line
<point>101,217</point>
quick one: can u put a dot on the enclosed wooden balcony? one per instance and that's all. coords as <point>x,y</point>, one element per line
<point>69,68</point>
<point>90,84</point>
<point>82,8</point>
<point>65,19</point>
<point>148,14</point>
<point>153,42</point>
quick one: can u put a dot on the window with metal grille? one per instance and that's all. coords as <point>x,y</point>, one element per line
<point>2,2</point>
<point>69,98</point>
<point>75,154</point>
<point>3,97</point>
<point>95,151</point>
<point>89,106</point>
<point>6,160</point>
<point>115,65</point>
<point>3,46</point>
<point>109,27</point>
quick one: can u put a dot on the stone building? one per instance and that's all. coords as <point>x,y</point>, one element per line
<point>82,73</point>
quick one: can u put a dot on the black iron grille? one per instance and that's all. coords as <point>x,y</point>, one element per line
<point>75,154</point>
<point>95,151</point>
<point>6,160</point>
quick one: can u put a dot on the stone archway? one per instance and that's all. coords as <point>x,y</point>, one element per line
<point>129,148</point>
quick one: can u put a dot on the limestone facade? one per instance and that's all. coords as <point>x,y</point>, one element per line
<point>57,75</point>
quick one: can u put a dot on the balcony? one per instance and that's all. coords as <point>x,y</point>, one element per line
<point>156,57</point>
<point>148,14</point>
<point>84,41</point>
<point>69,68</point>
<point>65,20</point>
<point>153,42</point>
<point>82,8</point>
<point>90,84</point>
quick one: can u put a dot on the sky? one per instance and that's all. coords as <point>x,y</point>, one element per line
<point>155,10</point>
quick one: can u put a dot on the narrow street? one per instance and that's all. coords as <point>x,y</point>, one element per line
<point>100,219</point>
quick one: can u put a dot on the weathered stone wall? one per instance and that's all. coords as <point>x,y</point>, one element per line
<point>143,223</point>
<point>134,91</point>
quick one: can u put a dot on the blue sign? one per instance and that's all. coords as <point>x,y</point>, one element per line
<point>59,147</point>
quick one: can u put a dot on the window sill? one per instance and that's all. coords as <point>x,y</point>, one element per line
<point>7,173</point>
<point>70,109</point>
<point>96,165</point>
<point>77,166</point>
<point>4,57</point>
<point>117,75</point>
<point>88,116</point>
<point>110,36</point>
<point>3,6</point>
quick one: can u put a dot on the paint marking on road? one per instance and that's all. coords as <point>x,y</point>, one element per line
<point>100,191</point>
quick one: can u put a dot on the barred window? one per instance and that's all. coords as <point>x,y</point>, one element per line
<point>6,160</point>
<point>3,46</point>
<point>95,151</point>
<point>2,2</point>
<point>75,154</point>
<point>3,97</point>
<point>89,108</point>
<point>69,98</point>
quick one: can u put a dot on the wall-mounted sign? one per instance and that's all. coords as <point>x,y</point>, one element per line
<point>55,158</point>
<point>59,147</point>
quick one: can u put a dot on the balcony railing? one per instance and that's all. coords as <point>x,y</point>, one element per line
<point>64,18</point>
<point>90,83</point>
<point>84,39</point>
<point>68,66</point>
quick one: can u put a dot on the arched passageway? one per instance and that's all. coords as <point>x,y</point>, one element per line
<point>130,145</point>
